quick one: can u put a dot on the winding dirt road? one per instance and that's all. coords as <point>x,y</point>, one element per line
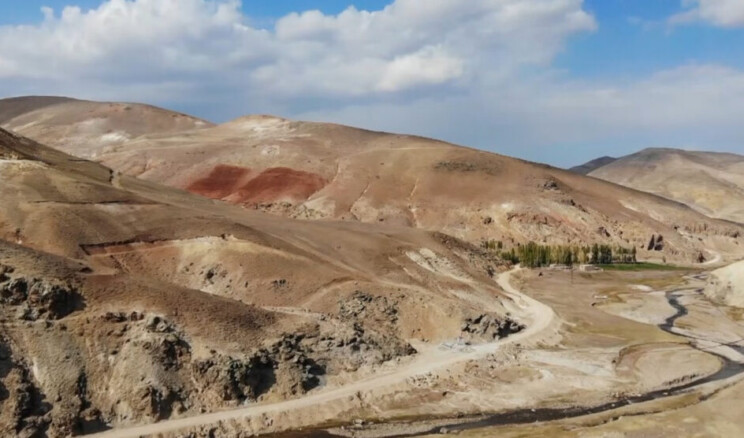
<point>539,316</point>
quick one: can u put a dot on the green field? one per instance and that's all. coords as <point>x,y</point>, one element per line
<point>640,267</point>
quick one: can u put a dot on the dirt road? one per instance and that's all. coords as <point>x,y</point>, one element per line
<point>539,318</point>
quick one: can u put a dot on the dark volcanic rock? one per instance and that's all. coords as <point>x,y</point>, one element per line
<point>41,298</point>
<point>489,327</point>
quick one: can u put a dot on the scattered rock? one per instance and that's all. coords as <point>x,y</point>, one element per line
<point>551,185</point>
<point>280,283</point>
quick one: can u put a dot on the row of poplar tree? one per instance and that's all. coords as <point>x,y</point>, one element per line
<point>533,255</point>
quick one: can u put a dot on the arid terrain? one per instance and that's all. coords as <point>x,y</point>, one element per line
<point>323,171</point>
<point>164,276</point>
<point>125,302</point>
<point>74,125</point>
<point>711,183</point>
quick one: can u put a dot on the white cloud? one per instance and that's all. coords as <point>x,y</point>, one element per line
<point>553,119</point>
<point>428,66</point>
<point>724,13</point>
<point>477,72</point>
<point>407,45</point>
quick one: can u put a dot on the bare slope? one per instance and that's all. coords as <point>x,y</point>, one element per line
<point>76,125</point>
<point>125,302</point>
<point>15,106</point>
<point>711,183</point>
<point>324,171</point>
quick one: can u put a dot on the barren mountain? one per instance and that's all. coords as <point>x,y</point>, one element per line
<point>129,308</point>
<point>75,125</point>
<point>711,183</point>
<point>324,171</point>
<point>125,302</point>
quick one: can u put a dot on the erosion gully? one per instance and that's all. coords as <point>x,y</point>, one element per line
<point>729,368</point>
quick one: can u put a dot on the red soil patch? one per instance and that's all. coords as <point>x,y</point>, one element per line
<point>279,183</point>
<point>241,185</point>
<point>221,182</point>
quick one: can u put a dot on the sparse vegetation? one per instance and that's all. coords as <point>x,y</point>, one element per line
<point>533,255</point>
<point>644,266</point>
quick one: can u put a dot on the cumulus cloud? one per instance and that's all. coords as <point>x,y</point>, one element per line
<point>408,45</point>
<point>561,121</point>
<point>478,72</point>
<point>427,66</point>
<point>724,13</point>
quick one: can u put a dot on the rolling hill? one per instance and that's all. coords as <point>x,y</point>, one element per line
<point>711,183</point>
<point>74,125</point>
<point>125,302</point>
<point>331,172</point>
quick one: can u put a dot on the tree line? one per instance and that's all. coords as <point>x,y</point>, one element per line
<point>533,255</point>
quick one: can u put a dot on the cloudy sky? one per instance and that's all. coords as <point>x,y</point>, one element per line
<point>556,81</point>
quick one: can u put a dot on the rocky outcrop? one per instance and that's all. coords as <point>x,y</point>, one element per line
<point>489,328</point>
<point>23,410</point>
<point>367,332</point>
<point>551,185</point>
<point>284,364</point>
<point>37,299</point>
<point>656,243</point>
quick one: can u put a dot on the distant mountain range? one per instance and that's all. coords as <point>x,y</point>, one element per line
<point>710,182</point>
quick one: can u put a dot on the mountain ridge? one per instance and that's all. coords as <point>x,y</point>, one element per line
<point>312,170</point>
<point>709,182</point>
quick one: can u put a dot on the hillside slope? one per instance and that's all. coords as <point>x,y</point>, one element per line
<point>324,171</point>
<point>711,183</point>
<point>74,125</point>
<point>331,172</point>
<point>125,302</point>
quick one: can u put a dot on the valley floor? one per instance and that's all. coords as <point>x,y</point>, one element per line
<point>633,353</point>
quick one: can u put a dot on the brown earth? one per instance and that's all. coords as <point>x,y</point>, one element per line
<point>125,302</point>
<point>74,125</point>
<point>222,181</point>
<point>239,185</point>
<point>336,172</point>
<point>711,183</point>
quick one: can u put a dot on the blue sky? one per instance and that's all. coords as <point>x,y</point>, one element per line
<point>561,84</point>
<point>634,40</point>
<point>620,48</point>
<point>29,11</point>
